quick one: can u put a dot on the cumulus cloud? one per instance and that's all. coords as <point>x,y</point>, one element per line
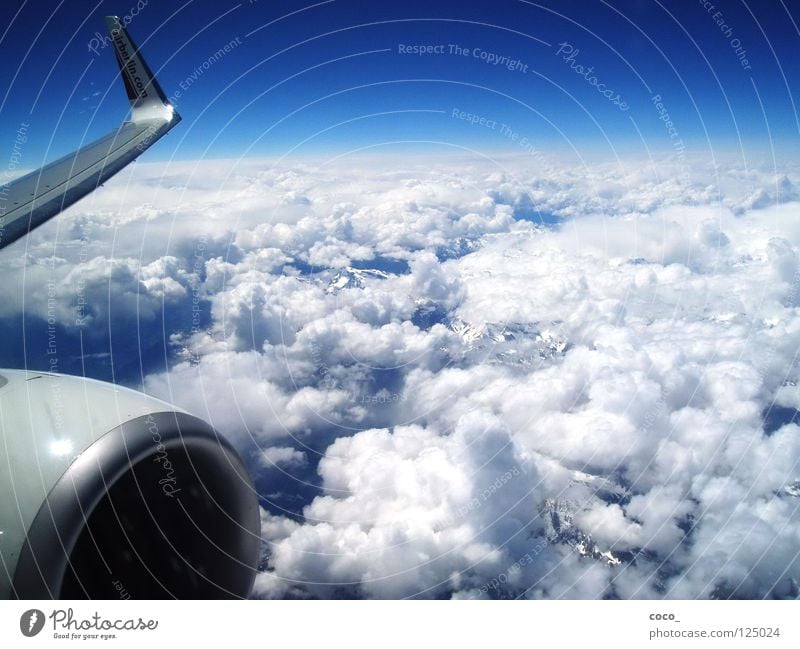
<point>477,379</point>
<point>283,456</point>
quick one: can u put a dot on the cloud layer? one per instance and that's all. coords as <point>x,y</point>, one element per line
<point>467,378</point>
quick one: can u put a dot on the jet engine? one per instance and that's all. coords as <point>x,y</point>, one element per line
<point>110,493</point>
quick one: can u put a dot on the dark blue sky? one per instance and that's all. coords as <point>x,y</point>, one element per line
<point>331,78</point>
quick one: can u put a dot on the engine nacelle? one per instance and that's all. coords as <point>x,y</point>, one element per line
<point>109,493</point>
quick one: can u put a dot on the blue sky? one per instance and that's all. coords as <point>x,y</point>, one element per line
<point>330,77</point>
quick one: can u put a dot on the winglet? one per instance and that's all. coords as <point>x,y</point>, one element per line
<point>147,99</point>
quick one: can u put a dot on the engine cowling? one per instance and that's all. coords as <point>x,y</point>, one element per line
<point>110,493</point>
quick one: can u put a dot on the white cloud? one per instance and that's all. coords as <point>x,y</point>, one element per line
<point>497,408</point>
<point>283,456</point>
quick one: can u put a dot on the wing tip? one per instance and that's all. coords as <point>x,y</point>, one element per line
<point>141,86</point>
<point>113,22</point>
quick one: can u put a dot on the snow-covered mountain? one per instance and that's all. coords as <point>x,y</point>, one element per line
<point>350,277</point>
<point>510,343</point>
<point>558,517</point>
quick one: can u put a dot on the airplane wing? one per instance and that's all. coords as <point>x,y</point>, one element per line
<point>29,201</point>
